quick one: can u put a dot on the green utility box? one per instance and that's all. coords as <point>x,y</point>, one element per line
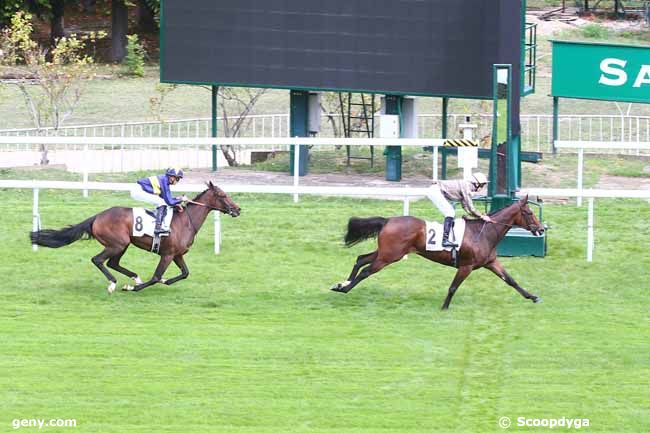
<point>520,242</point>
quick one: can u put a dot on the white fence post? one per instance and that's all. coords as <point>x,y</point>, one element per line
<point>435,163</point>
<point>581,162</point>
<point>296,170</point>
<point>217,232</point>
<point>590,231</point>
<point>407,206</point>
<point>36,218</point>
<point>86,163</point>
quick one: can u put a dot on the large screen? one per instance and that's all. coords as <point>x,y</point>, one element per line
<point>413,47</point>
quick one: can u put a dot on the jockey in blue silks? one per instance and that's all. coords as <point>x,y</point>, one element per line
<point>155,190</point>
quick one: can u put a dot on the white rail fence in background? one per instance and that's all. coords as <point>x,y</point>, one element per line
<point>405,193</point>
<point>594,146</point>
<point>537,129</point>
<point>135,158</point>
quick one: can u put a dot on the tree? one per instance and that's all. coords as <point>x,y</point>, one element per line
<point>147,16</point>
<point>119,29</point>
<point>51,10</point>
<point>236,104</point>
<point>57,25</point>
<point>50,81</point>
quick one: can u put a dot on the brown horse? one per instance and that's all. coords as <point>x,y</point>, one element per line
<point>113,228</point>
<point>403,235</point>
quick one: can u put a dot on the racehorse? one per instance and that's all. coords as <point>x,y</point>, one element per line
<point>399,236</point>
<point>113,228</point>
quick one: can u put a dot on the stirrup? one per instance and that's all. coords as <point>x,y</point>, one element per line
<point>449,244</point>
<point>155,244</point>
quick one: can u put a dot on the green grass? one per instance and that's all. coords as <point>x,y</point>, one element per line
<point>254,341</point>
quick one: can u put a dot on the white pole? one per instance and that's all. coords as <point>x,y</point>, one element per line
<point>35,217</point>
<point>590,231</point>
<point>407,206</point>
<point>435,163</point>
<point>217,232</point>
<point>296,169</point>
<point>86,164</point>
<point>581,161</point>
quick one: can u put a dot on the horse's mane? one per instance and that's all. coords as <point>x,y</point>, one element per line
<point>200,195</point>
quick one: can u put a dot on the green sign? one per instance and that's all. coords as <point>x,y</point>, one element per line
<point>601,71</point>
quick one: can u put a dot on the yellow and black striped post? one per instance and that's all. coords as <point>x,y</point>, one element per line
<point>461,143</point>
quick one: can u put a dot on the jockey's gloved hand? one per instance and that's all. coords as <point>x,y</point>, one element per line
<point>184,198</point>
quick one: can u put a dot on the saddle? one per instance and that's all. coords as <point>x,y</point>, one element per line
<point>433,236</point>
<point>144,224</point>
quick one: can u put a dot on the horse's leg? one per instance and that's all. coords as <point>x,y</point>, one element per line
<point>362,260</point>
<point>99,260</point>
<point>157,275</point>
<point>114,263</point>
<point>499,270</point>
<point>180,262</point>
<point>377,265</point>
<point>461,274</point>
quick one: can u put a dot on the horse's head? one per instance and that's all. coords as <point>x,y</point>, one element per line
<point>526,218</point>
<point>219,200</point>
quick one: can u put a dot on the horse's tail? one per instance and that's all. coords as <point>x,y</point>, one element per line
<point>360,229</point>
<point>65,236</point>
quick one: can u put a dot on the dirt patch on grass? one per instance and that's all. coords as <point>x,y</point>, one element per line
<point>621,182</point>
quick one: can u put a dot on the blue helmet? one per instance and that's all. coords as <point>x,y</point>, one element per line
<point>177,172</point>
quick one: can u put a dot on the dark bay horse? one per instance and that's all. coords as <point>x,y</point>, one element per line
<point>403,235</point>
<point>113,228</point>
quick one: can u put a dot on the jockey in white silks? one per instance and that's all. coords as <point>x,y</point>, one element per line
<point>443,191</point>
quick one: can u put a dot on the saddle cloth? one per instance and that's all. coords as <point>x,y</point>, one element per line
<point>434,234</point>
<point>144,221</point>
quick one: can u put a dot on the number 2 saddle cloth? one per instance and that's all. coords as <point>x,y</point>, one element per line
<point>434,234</point>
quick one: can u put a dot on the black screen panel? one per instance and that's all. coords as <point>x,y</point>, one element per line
<point>416,47</point>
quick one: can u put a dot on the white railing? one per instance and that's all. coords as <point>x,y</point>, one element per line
<point>596,145</point>
<point>406,193</point>
<point>133,155</point>
<point>537,129</point>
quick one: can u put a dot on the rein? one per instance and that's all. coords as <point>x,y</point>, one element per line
<point>204,205</point>
<point>478,236</point>
<point>189,215</point>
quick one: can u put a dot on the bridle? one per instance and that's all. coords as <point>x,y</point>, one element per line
<point>227,210</point>
<point>527,214</point>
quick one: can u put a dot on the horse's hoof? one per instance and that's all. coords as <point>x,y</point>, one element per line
<point>137,280</point>
<point>163,281</point>
<point>111,288</point>
<point>537,300</point>
<point>336,287</point>
<point>127,288</point>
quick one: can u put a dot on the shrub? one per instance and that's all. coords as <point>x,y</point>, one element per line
<point>134,60</point>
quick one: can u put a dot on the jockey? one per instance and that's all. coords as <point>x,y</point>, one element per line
<point>155,190</point>
<point>457,190</point>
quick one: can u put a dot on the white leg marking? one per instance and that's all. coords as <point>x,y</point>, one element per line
<point>111,288</point>
<point>137,280</point>
<point>345,283</point>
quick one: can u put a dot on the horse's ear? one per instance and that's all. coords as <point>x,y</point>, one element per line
<point>210,184</point>
<point>524,200</point>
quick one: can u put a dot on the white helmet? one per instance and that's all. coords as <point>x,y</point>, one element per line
<point>479,179</point>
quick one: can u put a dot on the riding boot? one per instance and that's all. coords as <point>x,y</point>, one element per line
<point>161,212</point>
<point>449,223</point>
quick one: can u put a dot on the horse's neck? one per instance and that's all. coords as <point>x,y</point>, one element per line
<point>197,215</point>
<point>505,217</point>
